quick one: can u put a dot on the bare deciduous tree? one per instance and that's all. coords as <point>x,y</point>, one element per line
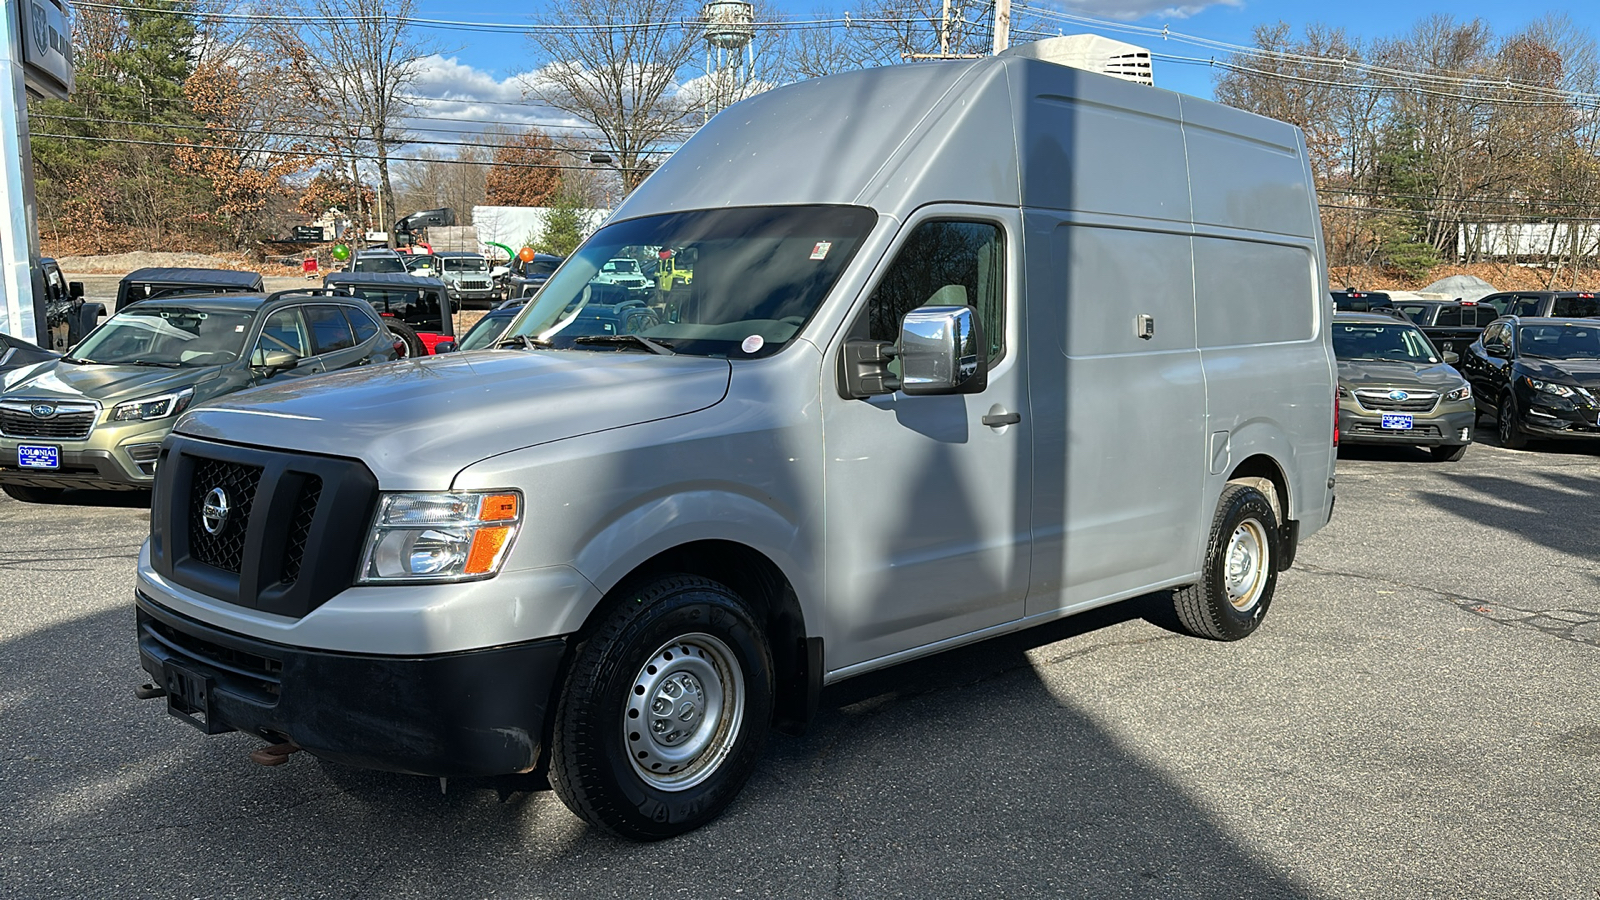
<point>353,61</point>
<point>618,66</point>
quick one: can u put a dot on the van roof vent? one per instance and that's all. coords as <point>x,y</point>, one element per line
<point>1092,53</point>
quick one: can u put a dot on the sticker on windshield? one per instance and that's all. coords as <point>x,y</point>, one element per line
<point>820,251</point>
<point>238,328</point>
<point>754,342</point>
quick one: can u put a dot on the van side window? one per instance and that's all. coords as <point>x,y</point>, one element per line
<point>945,264</point>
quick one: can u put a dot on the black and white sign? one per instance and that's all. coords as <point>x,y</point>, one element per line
<point>47,47</point>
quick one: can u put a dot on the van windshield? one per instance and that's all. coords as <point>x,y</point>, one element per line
<point>726,283</point>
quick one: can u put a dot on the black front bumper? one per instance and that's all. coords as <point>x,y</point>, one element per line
<point>473,713</point>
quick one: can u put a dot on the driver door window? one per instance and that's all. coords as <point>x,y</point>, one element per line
<point>284,330</point>
<point>945,263</point>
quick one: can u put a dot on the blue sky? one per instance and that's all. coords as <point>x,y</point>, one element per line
<point>483,69</point>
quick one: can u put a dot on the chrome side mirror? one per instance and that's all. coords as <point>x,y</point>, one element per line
<point>942,351</point>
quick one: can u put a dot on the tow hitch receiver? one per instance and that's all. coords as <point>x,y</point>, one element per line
<point>273,754</point>
<point>189,698</point>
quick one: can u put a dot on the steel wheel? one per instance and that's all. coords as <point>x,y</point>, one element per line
<point>685,712</point>
<point>1246,565</point>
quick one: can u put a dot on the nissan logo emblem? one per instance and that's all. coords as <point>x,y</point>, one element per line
<point>214,512</point>
<point>1399,395</point>
<point>43,410</point>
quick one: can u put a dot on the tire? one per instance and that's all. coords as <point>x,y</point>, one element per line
<point>1448,452</point>
<point>414,345</point>
<point>1224,605</point>
<point>31,494</point>
<point>671,638</point>
<point>1507,426</point>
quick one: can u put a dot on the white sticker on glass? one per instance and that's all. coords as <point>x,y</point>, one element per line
<point>752,343</point>
<point>820,251</point>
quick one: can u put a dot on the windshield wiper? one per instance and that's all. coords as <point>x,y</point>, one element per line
<point>656,347</point>
<point>81,362</point>
<point>149,362</point>
<point>521,342</point>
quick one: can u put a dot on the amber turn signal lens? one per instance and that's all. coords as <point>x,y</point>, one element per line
<point>487,545</point>
<point>498,508</point>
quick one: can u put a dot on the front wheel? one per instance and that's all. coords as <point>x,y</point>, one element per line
<point>1448,452</point>
<point>664,710</point>
<point>1240,571</point>
<point>1510,430</point>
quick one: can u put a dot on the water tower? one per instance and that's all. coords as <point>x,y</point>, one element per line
<point>730,57</point>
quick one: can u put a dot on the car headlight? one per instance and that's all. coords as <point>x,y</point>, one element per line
<point>440,536</point>
<point>152,407</point>
<point>1554,389</point>
<point>1461,393</point>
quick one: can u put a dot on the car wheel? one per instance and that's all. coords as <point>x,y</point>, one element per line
<point>1448,452</point>
<point>1240,571</point>
<point>414,345</point>
<point>31,494</point>
<point>664,710</point>
<point>1511,434</point>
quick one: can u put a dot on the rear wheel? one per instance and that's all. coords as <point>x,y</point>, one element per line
<point>1509,424</point>
<point>30,494</point>
<point>664,710</point>
<point>414,345</point>
<point>1448,452</point>
<point>1240,571</point>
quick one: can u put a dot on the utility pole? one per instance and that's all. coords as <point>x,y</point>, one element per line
<point>944,30</point>
<point>1002,25</point>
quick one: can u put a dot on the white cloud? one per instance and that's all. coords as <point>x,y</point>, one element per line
<point>462,100</point>
<point>1132,10</point>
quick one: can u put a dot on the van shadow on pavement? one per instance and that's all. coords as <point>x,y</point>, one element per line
<point>959,775</point>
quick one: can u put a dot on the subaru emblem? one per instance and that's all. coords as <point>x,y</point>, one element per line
<point>214,512</point>
<point>43,410</point>
<point>1399,395</point>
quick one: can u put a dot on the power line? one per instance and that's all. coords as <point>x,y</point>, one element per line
<point>339,155</point>
<point>317,135</point>
<point>780,24</point>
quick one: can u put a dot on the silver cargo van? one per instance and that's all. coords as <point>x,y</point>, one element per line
<point>948,350</point>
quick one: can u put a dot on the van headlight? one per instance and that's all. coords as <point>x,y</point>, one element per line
<point>440,536</point>
<point>152,407</point>
<point>1461,393</point>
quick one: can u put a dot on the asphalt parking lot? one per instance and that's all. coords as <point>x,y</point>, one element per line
<point>1418,717</point>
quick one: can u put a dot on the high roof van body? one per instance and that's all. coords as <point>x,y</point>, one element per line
<point>951,349</point>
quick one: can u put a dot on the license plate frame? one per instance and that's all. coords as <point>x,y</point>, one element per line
<point>38,456</point>
<point>1398,422</point>
<point>190,697</point>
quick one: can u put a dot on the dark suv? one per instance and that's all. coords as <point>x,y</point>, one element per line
<point>1539,376</point>
<point>1452,325</point>
<point>1558,304</point>
<point>1396,388</point>
<point>149,284</point>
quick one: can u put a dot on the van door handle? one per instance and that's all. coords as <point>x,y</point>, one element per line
<point>995,420</point>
